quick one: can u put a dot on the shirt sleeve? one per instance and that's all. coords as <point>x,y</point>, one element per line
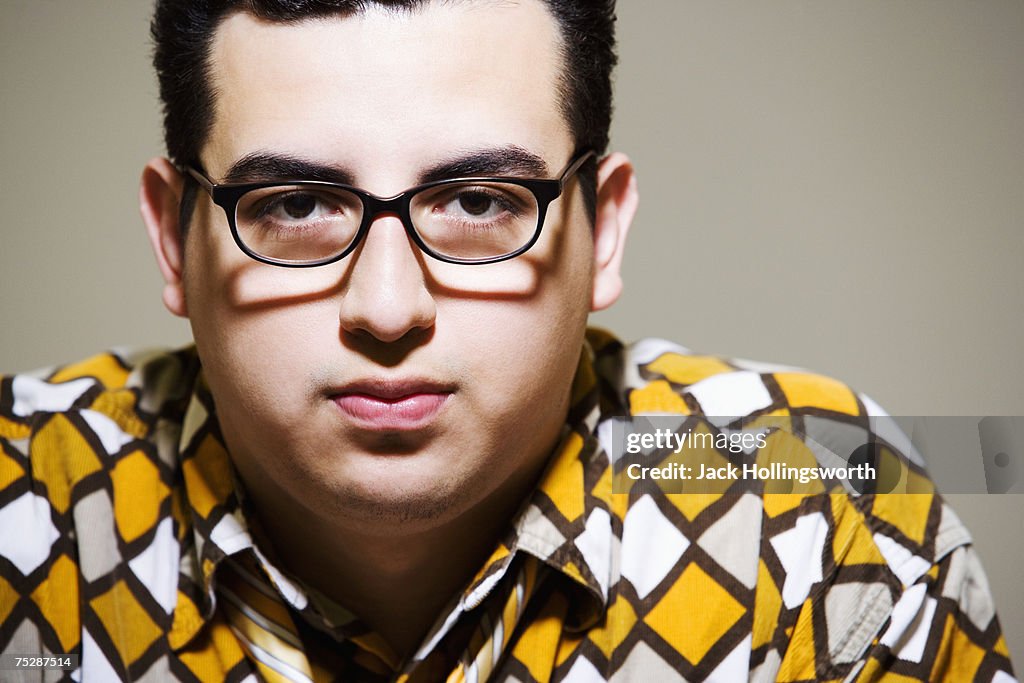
<point>943,628</point>
<point>903,611</point>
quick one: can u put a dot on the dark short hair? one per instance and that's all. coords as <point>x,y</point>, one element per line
<point>183,31</point>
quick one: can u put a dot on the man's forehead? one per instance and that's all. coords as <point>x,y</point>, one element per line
<point>482,28</point>
<point>468,74</point>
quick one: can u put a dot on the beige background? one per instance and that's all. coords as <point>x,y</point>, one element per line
<point>837,185</point>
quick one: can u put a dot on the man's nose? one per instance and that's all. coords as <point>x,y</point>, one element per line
<point>386,295</point>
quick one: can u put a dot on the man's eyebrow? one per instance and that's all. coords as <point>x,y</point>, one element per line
<point>500,161</point>
<point>512,160</point>
<point>259,167</point>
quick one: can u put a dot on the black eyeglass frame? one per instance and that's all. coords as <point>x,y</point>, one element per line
<point>545,190</point>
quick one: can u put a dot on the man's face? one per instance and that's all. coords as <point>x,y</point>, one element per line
<point>390,385</point>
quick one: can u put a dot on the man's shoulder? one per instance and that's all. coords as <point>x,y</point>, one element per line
<point>89,497</point>
<point>770,558</point>
<point>118,384</point>
<point>816,426</point>
<point>65,426</point>
<point>811,421</point>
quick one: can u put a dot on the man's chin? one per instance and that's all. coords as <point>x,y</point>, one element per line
<point>398,444</point>
<point>396,484</point>
<point>393,502</point>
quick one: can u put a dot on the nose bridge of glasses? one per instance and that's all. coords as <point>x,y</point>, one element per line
<point>396,206</point>
<point>375,207</point>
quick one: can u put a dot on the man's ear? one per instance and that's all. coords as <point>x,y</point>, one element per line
<point>159,200</point>
<point>617,199</point>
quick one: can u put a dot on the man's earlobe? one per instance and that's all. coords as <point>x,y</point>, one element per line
<point>617,200</point>
<point>159,199</point>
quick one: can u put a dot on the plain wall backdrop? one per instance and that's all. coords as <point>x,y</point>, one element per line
<point>838,186</point>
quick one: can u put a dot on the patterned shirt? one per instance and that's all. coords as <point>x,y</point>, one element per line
<point>126,539</point>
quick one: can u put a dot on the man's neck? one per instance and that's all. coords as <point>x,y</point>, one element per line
<point>396,581</point>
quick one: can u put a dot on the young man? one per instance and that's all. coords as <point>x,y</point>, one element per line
<point>387,223</point>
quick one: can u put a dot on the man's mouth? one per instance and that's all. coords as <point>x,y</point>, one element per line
<point>392,405</point>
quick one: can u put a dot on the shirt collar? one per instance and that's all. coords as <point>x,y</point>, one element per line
<point>567,521</point>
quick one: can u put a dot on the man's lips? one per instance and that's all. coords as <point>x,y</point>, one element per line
<point>390,405</point>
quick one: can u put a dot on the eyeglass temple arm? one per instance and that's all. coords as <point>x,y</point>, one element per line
<point>575,166</point>
<point>199,176</point>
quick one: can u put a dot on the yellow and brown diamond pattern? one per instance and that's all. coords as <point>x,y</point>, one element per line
<point>125,538</point>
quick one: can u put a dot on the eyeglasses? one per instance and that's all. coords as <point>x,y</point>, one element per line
<point>461,220</point>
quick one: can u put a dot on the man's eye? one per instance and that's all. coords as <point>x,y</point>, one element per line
<point>298,205</point>
<point>476,204</point>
